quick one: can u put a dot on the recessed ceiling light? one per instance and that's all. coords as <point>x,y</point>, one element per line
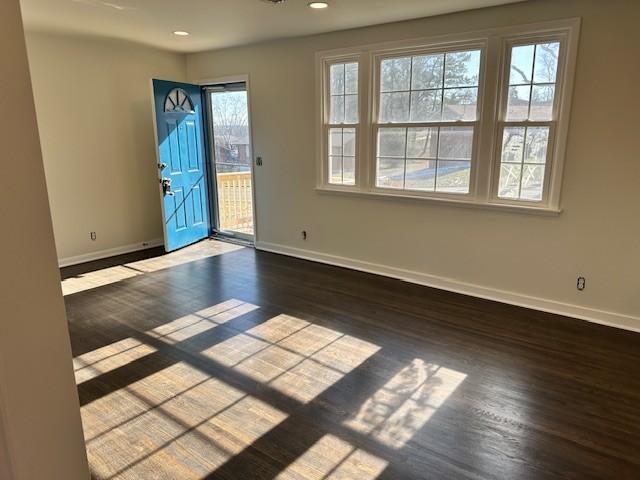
<point>181,33</point>
<point>318,5</point>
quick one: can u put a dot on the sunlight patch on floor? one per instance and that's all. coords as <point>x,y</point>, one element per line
<point>105,359</point>
<point>188,326</point>
<point>96,279</point>
<point>116,408</point>
<point>293,356</point>
<point>118,354</point>
<point>333,458</point>
<point>178,422</point>
<point>107,276</point>
<point>182,422</point>
<point>406,403</point>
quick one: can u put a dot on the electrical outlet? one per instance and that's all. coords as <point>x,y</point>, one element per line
<point>93,236</point>
<point>304,234</point>
<point>581,284</point>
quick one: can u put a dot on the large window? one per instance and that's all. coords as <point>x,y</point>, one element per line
<point>419,98</point>
<point>478,118</point>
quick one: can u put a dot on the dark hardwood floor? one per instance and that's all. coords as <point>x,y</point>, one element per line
<point>221,362</point>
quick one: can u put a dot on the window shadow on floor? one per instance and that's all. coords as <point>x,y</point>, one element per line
<point>234,389</point>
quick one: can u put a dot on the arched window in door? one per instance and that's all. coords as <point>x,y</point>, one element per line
<point>178,101</point>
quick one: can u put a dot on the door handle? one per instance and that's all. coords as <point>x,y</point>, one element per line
<point>166,186</point>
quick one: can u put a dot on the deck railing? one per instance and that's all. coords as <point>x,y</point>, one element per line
<point>235,202</point>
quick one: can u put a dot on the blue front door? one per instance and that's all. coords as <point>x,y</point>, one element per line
<point>181,163</point>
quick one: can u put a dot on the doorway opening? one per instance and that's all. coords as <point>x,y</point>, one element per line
<point>231,152</point>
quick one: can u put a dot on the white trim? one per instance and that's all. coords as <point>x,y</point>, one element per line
<point>110,252</point>
<point>377,57</point>
<point>558,125</point>
<point>323,83</point>
<point>493,43</point>
<point>458,201</point>
<point>593,315</point>
<point>209,82</point>
<point>154,117</point>
<point>239,78</point>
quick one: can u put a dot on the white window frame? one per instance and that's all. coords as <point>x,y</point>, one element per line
<point>495,45</point>
<point>325,111</point>
<point>557,141</point>
<point>377,57</point>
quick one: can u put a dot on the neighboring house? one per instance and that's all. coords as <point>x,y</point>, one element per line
<point>233,147</point>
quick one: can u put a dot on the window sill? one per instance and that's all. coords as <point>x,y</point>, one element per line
<point>528,209</point>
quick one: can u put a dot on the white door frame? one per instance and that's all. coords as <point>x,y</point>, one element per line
<point>212,82</point>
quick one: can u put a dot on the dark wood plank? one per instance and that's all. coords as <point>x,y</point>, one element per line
<point>223,362</point>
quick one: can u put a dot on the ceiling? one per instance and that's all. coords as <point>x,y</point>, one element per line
<point>223,23</point>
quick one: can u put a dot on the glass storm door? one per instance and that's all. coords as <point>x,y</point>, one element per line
<point>232,159</point>
<point>181,163</point>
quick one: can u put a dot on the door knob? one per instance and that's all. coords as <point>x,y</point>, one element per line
<point>166,186</point>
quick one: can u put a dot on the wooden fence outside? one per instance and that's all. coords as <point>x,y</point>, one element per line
<point>235,201</point>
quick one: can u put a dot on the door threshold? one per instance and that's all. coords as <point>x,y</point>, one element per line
<point>235,240</point>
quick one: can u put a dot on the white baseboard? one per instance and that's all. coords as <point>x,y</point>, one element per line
<point>111,252</point>
<point>602,317</point>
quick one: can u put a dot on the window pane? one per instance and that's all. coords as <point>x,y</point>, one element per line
<point>390,173</point>
<point>349,172</point>
<point>392,142</point>
<point>546,68</point>
<point>342,151</point>
<point>518,104</point>
<point>453,177</point>
<point>451,145</point>
<point>509,181</point>
<point>523,181</point>
<point>462,69</point>
<point>343,86</point>
<point>532,182</point>
<point>351,78</point>
<point>421,175</point>
<point>456,143</point>
<point>337,79</point>
<point>336,114</point>
<point>536,145</point>
<point>427,72</point>
<point>335,141</point>
<point>513,144</point>
<point>351,109</point>
<point>460,104</point>
<point>542,102</point>
<point>349,142</point>
<point>394,107</point>
<point>521,64</point>
<point>422,143</point>
<point>335,170</point>
<point>394,74</point>
<point>532,77</point>
<point>427,88</point>
<point>426,106</point>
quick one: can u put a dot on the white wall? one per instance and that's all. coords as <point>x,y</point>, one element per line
<point>39,408</point>
<point>503,255</point>
<point>93,103</point>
